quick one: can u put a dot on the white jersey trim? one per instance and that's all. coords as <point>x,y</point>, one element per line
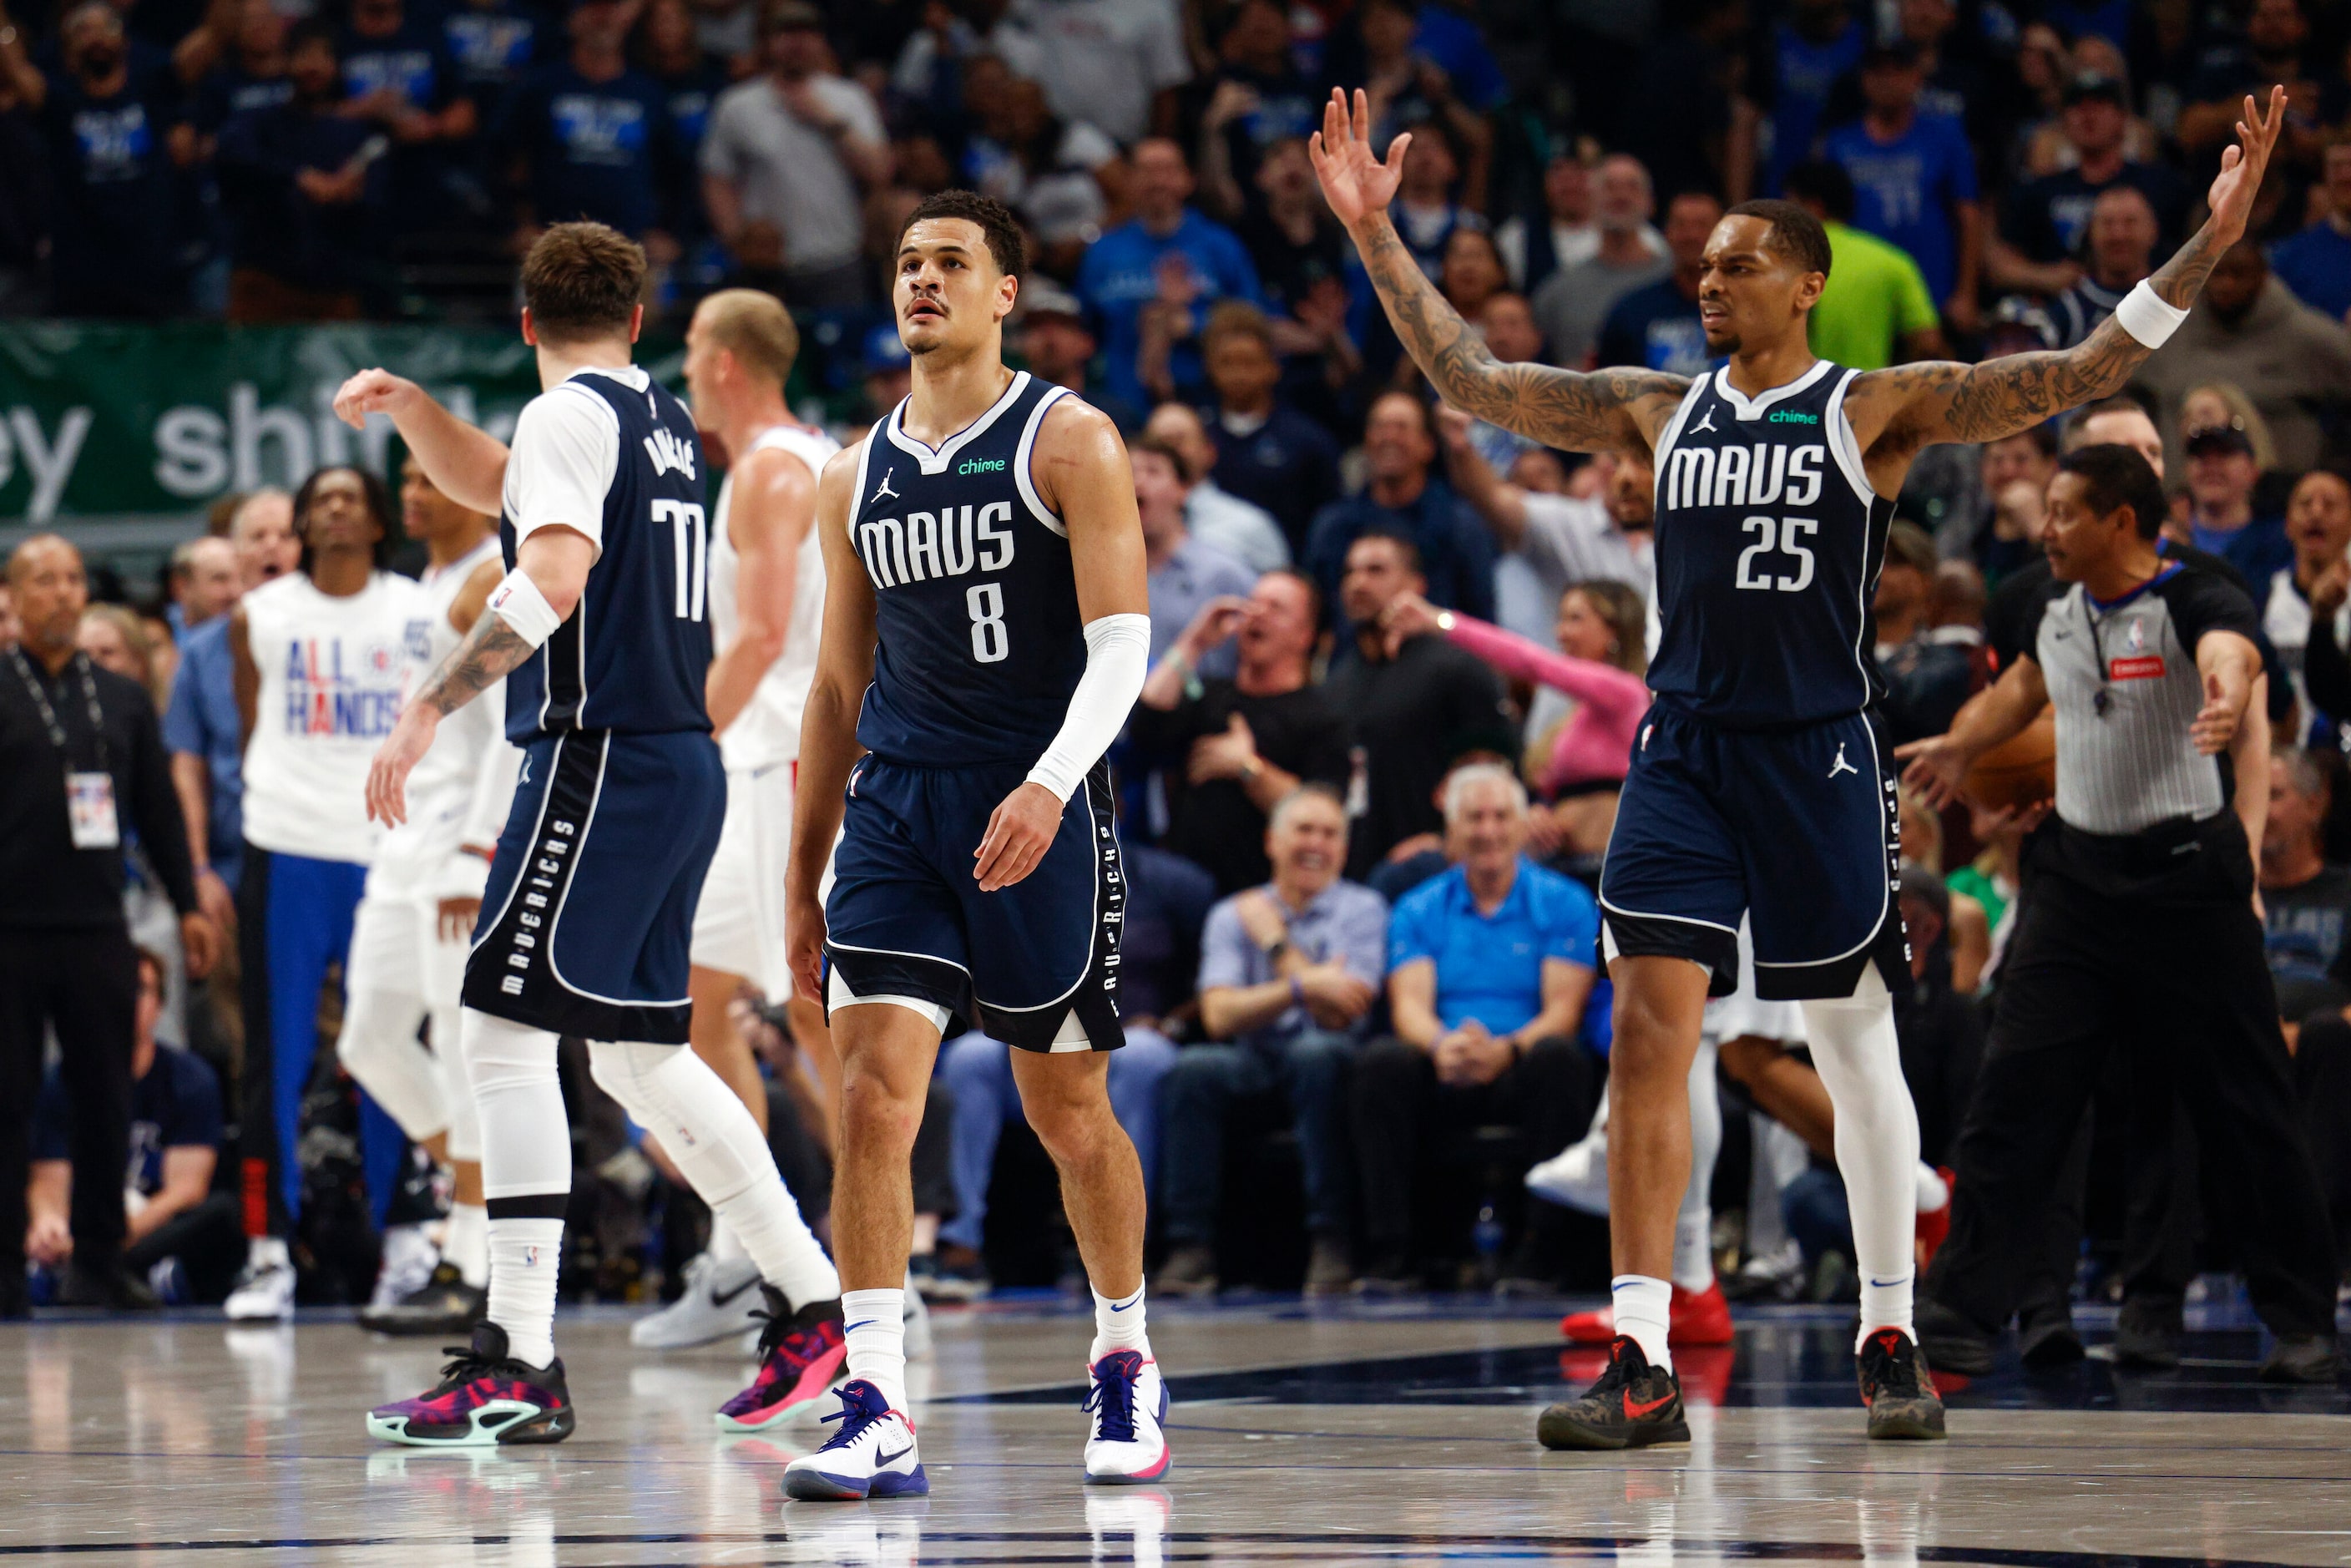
<point>1745,408</point>
<point>1845,445</point>
<point>1676,919</point>
<point>935,462</point>
<point>1021,459</point>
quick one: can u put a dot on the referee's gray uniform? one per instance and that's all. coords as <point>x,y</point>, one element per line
<point>2137,933</point>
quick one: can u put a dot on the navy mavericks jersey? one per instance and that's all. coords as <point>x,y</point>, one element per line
<point>1768,544</point>
<point>980,642</point>
<point>632,654</point>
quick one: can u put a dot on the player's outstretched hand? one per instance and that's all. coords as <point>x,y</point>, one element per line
<point>1019,831</point>
<point>373,392</point>
<point>2243,165</point>
<point>1938,767</point>
<point>387,780</point>
<point>1354,180</point>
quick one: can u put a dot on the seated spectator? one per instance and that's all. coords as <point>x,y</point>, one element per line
<point>2222,477</point>
<point>1242,530</point>
<point>1470,272</point>
<point>307,190</point>
<point>399,78</point>
<point>589,136</point>
<point>203,583</point>
<point>785,163</point>
<point>1405,497</point>
<point>1876,308</point>
<point>1549,541</point>
<point>2121,252</point>
<point>1059,346</point>
<point>1533,251</point>
<point>2045,219</point>
<point>1573,301</point>
<point>2318,528</point>
<point>1927,679</point>
<point>1914,178</point>
<point>183,1240</point>
<point>1267,453</point>
<point>1233,747</point>
<point>115,127</point>
<point>1167,900</point>
<point>1992,879</point>
<point>1657,326</point>
<point>2249,328</point>
<point>2317,263</point>
<point>1489,965</point>
<point>1167,261</point>
<point>1187,573</point>
<point>2043,148</point>
<point>1290,972</point>
<point>1062,178</point>
<point>2304,900</point>
<point>1414,709</point>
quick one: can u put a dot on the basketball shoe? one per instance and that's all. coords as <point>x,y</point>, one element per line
<point>1696,1317</point>
<point>445,1304</point>
<point>1633,1406</point>
<point>873,1455</point>
<point>719,1298</point>
<point>1899,1388</point>
<point>485,1396</point>
<point>799,1357</point>
<point>1129,1403</point>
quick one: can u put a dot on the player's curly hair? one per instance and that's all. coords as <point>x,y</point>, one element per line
<point>582,280</point>
<point>1006,243</point>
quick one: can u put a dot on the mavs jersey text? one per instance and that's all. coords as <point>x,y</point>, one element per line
<point>1759,784</point>
<point>979,647</point>
<point>592,896</point>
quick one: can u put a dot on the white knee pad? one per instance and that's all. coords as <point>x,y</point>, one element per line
<point>449,1060</point>
<point>525,1140</point>
<point>378,1046</point>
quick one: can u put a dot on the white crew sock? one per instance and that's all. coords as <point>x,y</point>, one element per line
<point>268,1252</point>
<point>1644,1311</point>
<point>875,1323</point>
<point>468,1245</point>
<point>1118,1325</point>
<point>725,1245</point>
<point>1934,1192</point>
<point>1860,1063</point>
<point>525,1255</point>
<point>706,1129</point>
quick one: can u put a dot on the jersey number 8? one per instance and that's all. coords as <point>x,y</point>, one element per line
<point>989,645</point>
<point>1784,534</point>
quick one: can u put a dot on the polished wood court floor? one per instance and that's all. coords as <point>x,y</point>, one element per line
<point>1371,1433</point>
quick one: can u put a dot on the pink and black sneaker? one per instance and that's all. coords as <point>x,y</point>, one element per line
<point>485,1398</point>
<point>800,1357</point>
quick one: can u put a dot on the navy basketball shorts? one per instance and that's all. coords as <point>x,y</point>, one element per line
<point>589,915</point>
<point>1034,965</point>
<point>1797,829</point>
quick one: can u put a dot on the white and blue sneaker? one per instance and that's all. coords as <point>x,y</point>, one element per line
<point>873,1455</point>
<point>1127,1445</point>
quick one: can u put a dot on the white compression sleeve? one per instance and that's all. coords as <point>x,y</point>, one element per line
<point>1118,657</point>
<point>1694,1226</point>
<point>1860,1063</point>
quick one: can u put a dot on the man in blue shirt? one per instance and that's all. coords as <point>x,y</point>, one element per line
<point>1818,41</point>
<point>1657,327</point>
<point>1914,176</point>
<point>1168,257</point>
<point>594,135</point>
<point>1489,967</point>
<point>1289,975</point>
<point>2317,263</point>
<point>2221,475</point>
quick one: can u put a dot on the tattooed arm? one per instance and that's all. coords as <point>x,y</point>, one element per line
<point>556,559</point>
<point>1619,410</point>
<point>1896,412</point>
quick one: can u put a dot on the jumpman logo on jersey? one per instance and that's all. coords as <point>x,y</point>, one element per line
<point>884,488</point>
<point>1841,764</point>
<point>1706,424</point>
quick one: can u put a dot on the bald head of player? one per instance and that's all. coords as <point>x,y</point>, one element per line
<point>1763,270</point>
<point>960,256</point>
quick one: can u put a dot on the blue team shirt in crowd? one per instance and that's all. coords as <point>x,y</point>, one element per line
<point>1120,275</point>
<point>1903,190</point>
<point>491,44</point>
<point>2317,264</point>
<point>202,721</point>
<point>1490,967</point>
<point>596,150</point>
<point>176,1106</point>
<point>1658,326</point>
<point>1802,75</point>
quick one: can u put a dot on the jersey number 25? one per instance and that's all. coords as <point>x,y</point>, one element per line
<point>1785,536</point>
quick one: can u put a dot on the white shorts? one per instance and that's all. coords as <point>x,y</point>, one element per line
<point>397,947</point>
<point>739,926</point>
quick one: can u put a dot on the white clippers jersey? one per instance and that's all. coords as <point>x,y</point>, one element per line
<point>334,673</point>
<point>768,730</point>
<point>442,786</point>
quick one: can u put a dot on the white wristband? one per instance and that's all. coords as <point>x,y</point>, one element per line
<point>1118,656</point>
<point>2147,318</point>
<point>518,601</point>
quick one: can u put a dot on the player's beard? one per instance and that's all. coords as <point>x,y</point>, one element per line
<point>1726,343</point>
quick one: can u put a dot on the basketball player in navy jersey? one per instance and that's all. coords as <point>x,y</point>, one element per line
<point>985,633</point>
<point>1759,784</point>
<point>601,630</point>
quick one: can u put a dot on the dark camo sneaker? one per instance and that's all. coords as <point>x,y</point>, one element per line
<point>445,1304</point>
<point>485,1398</point>
<point>1633,1406</point>
<point>1899,1387</point>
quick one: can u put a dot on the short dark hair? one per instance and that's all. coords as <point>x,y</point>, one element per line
<point>1408,547</point>
<point>1159,447</point>
<point>313,30</point>
<point>997,225</point>
<point>1795,236</point>
<point>1907,544</point>
<point>373,489</point>
<point>2113,477</point>
<point>582,280</point>
<point>1314,590</point>
<point>1818,180</point>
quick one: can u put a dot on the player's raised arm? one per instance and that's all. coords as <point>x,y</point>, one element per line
<point>1615,410</point>
<point>1083,476</point>
<point>1896,412</point>
<point>829,748</point>
<point>466,463</point>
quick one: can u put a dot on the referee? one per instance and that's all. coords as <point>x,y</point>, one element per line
<point>82,766</point>
<point>2138,924</point>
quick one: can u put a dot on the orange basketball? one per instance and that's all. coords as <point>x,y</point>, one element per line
<point>2020,770</point>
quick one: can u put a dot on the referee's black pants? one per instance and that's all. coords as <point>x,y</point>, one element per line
<point>2149,941</point>
<point>83,982</point>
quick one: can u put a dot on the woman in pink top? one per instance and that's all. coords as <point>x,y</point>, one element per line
<point>1602,633</point>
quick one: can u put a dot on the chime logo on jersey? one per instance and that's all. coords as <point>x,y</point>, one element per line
<point>1744,477</point>
<point>923,545</point>
<point>355,690</point>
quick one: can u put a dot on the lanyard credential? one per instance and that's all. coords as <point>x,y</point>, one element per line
<point>89,795</point>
